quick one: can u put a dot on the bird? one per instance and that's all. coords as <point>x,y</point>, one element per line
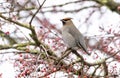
<point>71,36</point>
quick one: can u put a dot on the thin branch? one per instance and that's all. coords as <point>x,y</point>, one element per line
<point>95,70</point>
<point>19,52</point>
<point>16,45</point>
<point>72,11</point>
<point>113,55</point>
<point>15,22</point>
<point>36,13</point>
<point>10,39</point>
<point>111,4</point>
<point>60,5</point>
<point>23,34</point>
<point>67,52</point>
<point>34,35</point>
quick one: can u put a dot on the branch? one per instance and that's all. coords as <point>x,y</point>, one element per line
<point>105,69</point>
<point>60,5</point>
<point>87,63</point>
<point>10,39</point>
<point>72,11</point>
<point>16,45</point>
<point>34,35</point>
<point>36,13</point>
<point>19,52</point>
<point>113,55</point>
<point>93,74</point>
<point>111,4</point>
<point>15,22</point>
<point>67,52</point>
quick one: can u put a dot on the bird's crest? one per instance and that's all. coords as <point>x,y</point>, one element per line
<point>68,18</point>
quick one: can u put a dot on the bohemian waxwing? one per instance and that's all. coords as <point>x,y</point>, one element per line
<point>72,36</point>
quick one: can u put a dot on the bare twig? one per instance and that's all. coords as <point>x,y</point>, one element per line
<point>67,52</point>
<point>95,70</point>
<point>34,35</point>
<point>36,13</point>
<point>72,11</point>
<point>60,5</point>
<point>113,54</point>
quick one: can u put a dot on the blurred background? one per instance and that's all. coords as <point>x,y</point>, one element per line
<point>31,45</point>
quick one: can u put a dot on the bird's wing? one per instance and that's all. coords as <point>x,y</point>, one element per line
<point>69,39</point>
<point>79,39</point>
<point>81,43</point>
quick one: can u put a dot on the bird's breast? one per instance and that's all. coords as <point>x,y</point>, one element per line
<point>68,39</point>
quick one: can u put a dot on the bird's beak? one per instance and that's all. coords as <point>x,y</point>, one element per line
<point>62,20</point>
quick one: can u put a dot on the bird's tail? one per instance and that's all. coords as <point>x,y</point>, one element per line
<point>83,49</point>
